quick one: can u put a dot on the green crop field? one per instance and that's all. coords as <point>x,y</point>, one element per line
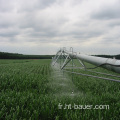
<point>35,90</point>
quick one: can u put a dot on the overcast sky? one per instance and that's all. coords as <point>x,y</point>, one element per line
<point>43,26</point>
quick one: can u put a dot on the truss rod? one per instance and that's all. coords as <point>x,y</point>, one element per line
<point>108,63</point>
<point>92,76</point>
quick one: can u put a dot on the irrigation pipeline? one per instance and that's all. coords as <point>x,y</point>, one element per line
<point>110,64</point>
<point>92,76</point>
<point>107,63</point>
<point>102,65</point>
<point>97,72</point>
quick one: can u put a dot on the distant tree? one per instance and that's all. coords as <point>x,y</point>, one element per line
<point>5,55</point>
<point>108,56</point>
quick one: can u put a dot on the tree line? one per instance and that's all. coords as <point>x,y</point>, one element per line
<point>5,55</point>
<point>109,56</point>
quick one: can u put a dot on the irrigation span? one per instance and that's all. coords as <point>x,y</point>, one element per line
<point>64,57</point>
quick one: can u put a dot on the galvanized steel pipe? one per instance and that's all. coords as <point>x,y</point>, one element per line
<point>111,64</point>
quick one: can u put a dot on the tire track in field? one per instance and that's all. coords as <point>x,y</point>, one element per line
<point>61,84</point>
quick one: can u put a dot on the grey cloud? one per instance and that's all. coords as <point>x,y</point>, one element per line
<point>45,3</point>
<point>107,12</point>
<point>9,34</point>
<point>112,38</point>
<point>5,24</point>
<point>6,5</point>
<point>106,15</point>
<point>24,5</point>
<point>42,26</point>
<point>48,34</point>
<point>30,6</point>
<point>56,23</point>
<point>114,24</point>
<point>88,34</point>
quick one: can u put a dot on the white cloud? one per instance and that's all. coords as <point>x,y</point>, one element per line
<point>42,26</point>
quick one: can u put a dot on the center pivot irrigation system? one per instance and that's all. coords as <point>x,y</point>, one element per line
<point>64,58</point>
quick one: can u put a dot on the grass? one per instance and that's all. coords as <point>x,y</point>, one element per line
<point>32,89</point>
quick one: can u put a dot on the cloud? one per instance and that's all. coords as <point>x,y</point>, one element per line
<point>6,6</point>
<point>108,12</point>
<point>30,6</point>
<point>115,23</point>
<point>40,26</point>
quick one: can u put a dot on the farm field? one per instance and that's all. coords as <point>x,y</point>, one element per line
<point>35,90</point>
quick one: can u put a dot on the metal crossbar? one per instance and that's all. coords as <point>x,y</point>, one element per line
<point>69,56</point>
